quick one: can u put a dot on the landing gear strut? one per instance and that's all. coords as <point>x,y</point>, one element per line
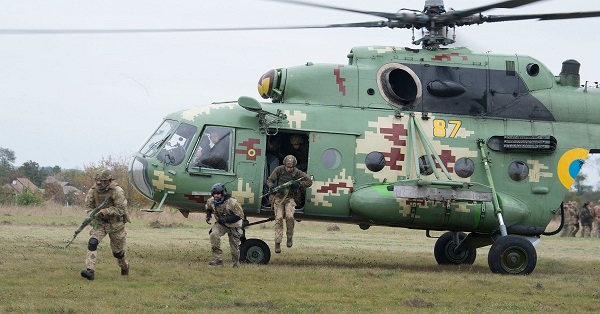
<point>254,251</point>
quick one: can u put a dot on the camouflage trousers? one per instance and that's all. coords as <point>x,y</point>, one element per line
<point>586,230</point>
<point>216,232</point>
<point>117,236</point>
<point>569,230</point>
<point>596,229</point>
<point>284,207</point>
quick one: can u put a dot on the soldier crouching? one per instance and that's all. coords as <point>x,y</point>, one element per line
<point>228,214</point>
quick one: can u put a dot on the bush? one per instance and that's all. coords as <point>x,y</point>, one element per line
<point>6,196</point>
<point>28,198</point>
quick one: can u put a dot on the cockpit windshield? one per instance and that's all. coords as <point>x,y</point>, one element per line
<point>174,150</point>
<point>158,138</point>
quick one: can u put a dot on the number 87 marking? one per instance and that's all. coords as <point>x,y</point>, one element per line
<point>439,127</point>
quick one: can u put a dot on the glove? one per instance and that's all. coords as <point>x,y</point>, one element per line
<point>208,216</point>
<point>295,185</point>
<point>101,213</point>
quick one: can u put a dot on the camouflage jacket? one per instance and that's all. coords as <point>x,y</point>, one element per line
<point>279,176</point>
<point>117,204</point>
<point>226,209</point>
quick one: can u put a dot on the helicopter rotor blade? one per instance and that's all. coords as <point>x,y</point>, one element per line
<point>386,15</point>
<point>373,24</point>
<point>541,17</point>
<point>509,4</point>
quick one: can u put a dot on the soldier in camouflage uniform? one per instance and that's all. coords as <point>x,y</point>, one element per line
<point>574,220</point>
<point>571,225</point>
<point>596,230</point>
<point>587,217</point>
<point>108,221</point>
<point>229,219</point>
<point>299,150</point>
<point>284,200</point>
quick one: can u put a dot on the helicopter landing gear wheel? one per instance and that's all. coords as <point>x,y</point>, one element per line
<point>512,254</point>
<point>446,255</point>
<point>255,251</point>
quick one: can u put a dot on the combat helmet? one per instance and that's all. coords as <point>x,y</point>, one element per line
<point>103,175</point>
<point>290,161</point>
<point>218,188</point>
<point>296,140</point>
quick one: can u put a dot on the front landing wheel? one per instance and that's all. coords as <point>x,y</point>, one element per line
<point>446,255</point>
<point>512,254</point>
<point>255,251</point>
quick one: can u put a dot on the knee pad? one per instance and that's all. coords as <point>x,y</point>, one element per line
<point>93,244</point>
<point>119,255</point>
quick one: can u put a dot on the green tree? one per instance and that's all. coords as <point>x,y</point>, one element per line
<point>7,158</point>
<point>6,196</point>
<point>579,186</point>
<point>31,170</point>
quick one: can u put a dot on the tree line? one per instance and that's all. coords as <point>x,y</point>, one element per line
<point>53,191</point>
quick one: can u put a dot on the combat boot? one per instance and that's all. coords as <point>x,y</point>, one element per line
<point>277,248</point>
<point>289,242</point>
<point>236,265</point>
<point>125,271</point>
<point>216,262</point>
<point>88,274</point>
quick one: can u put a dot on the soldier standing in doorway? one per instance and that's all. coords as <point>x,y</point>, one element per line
<point>284,199</point>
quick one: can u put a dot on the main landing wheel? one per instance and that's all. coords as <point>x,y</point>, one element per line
<point>446,255</point>
<point>255,251</point>
<point>512,254</point>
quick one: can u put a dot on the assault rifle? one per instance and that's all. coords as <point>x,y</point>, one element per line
<point>282,186</point>
<point>89,219</point>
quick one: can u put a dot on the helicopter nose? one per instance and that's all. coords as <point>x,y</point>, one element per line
<point>139,177</point>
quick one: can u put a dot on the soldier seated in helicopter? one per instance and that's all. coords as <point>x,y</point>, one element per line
<point>213,151</point>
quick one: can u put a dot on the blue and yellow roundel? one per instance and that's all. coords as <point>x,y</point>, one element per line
<point>569,165</point>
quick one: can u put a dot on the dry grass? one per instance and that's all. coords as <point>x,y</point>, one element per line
<point>329,270</point>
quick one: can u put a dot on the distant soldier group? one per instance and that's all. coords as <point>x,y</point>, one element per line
<point>571,225</point>
<point>586,218</point>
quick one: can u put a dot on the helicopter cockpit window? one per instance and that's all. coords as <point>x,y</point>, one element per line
<point>518,171</point>
<point>174,151</point>
<point>158,138</point>
<point>213,149</point>
<point>375,161</point>
<point>399,85</point>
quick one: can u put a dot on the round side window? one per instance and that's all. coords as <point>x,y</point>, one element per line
<point>331,158</point>
<point>375,161</point>
<point>518,171</point>
<point>464,167</point>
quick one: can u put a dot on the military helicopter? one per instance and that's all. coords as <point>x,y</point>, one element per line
<point>478,146</point>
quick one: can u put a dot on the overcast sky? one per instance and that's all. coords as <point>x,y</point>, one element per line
<point>69,100</point>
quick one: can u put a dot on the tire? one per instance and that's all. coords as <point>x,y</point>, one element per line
<point>255,251</point>
<point>444,251</point>
<point>512,254</point>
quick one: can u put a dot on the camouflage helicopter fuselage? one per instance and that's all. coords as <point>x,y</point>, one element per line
<point>375,127</point>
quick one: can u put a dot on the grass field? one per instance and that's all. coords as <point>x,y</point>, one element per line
<point>331,269</point>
